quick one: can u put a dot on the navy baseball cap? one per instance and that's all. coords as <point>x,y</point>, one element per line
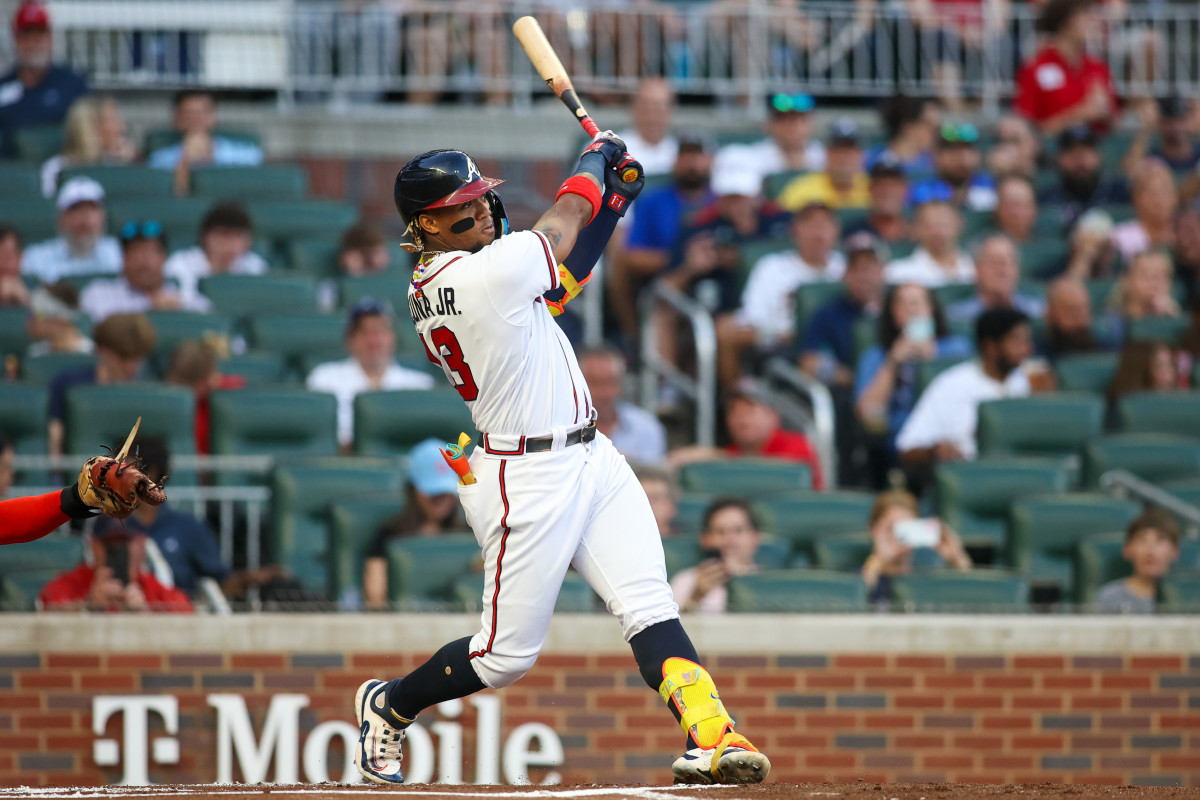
<point>864,242</point>
<point>428,471</point>
<point>1077,135</point>
<point>1174,107</point>
<point>887,166</point>
<point>367,306</point>
<point>844,133</point>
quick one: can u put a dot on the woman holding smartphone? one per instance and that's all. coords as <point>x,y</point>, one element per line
<point>897,530</point>
<point>911,330</point>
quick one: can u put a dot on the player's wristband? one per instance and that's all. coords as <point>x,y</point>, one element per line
<point>585,188</point>
<point>72,504</point>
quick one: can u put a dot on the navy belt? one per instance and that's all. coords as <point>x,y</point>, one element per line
<point>544,443</point>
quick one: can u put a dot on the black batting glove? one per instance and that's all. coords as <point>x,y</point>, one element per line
<point>608,145</point>
<point>620,192</point>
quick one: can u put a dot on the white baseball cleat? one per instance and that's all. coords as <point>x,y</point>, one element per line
<point>378,757</point>
<point>732,761</point>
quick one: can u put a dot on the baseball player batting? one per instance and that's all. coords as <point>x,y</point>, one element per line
<point>550,491</point>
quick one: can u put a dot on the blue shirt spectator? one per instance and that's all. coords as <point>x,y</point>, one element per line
<point>34,92</point>
<point>225,153</point>
<point>195,118</point>
<point>660,215</point>
<point>187,544</point>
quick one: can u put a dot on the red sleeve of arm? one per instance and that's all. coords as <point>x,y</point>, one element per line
<point>24,519</point>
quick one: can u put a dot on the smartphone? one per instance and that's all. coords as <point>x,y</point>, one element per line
<point>919,329</point>
<point>116,558</point>
<point>918,532</point>
<point>710,553</point>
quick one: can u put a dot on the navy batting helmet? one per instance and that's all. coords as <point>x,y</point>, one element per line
<point>439,179</point>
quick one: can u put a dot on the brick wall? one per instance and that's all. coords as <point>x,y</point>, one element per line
<point>1083,718</point>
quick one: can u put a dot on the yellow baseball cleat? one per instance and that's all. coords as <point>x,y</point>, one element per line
<point>733,761</point>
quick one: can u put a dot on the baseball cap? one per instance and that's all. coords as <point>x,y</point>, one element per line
<point>1173,107</point>
<point>367,306</point>
<point>31,16</point>
<point>696,144</point>
<point>79,190</point>
<point>428,470</point>
<point>1076,135</point>
<point>734,172</point>
<point>750,389</point>
<point>844,132</point>
<point>864,242</point>
<point>887,166</point>
<point>784,103</point>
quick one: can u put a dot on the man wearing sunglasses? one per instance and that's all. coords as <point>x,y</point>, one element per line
<point>789,145</point>
<point>142,286</point>
<point>957,178</point>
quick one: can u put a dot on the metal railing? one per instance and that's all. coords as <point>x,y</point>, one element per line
<point>1123,484</point>
<point>725,51</point>
<point>658,371</point>
<point>821,421</point>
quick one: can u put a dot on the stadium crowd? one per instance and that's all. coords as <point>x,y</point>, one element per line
<point>954,285</point>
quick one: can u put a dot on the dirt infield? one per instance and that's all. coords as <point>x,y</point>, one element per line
<point>782,791</point>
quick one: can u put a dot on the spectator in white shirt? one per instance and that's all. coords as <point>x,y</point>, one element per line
<point>636,433</point>
<point>371,343</point>
<point>997,272</point>
<point>789,145</point>
<point>195,118</point>
<point>1154,201</point>
<point>938,260</point>
<point>767,318</point>
<point>226,235</point>
<point>729,543</point>
<point>81,247</point>
<point>942,426</point>
<point>651,138</point>
<point>142,286</point>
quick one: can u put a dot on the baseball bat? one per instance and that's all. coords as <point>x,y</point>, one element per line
<point>531,36</point>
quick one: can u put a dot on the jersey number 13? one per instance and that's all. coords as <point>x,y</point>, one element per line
<point>445,344</point>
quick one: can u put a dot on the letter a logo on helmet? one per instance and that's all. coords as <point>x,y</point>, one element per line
<point>439,179</point>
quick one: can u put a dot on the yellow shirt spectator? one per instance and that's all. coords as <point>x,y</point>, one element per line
<point>817,187</point>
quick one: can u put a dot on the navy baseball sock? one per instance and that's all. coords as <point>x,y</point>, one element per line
<point>446,676</point>
<point>653,646</point>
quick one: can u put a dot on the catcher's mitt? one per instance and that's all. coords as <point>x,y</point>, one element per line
<point>117,485</point>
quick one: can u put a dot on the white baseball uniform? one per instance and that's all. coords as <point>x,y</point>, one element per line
<point>482,319</point>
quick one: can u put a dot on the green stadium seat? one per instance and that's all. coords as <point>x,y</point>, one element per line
<point>774,183</point>
<point>1165,412</point>
<point>1181,593</point>
<point>300,338</point>
<point>14,335</point>
<point>1150,456</point>
<point>682,551</point>
<point>352,526</point>
<point>802,517</point>
<point>313,256</point>
<point>103,414</point>
<point>928,370</point>
<point>1100,291</point>
<point>424,570</point>
<point>745,477</point>
<point>1045,533</point>
<point>33,216</point>
<point>280,220</point>
<point>12,599</point>
<point>1098,560</point>
<point>1086,373</point>
<point>258,369</point>
<point>43,368</point>
<point>23,421</point>
<point>1157,329</point>
<point>392,286</point>
<point>172,328</point>
<point>390,423</point>
<point>773,552</point>
<point>165,137</point>
<point>900,249</point>
<point>1043,256</point>
<point>127,182</point>
<point>977,591</point>
<point>1042,425</point>
<point>20,180</point>
<point>36,144</point>
<point>271,182</point>
<point>180,217</point>
<point>797,591</point>
<point>843,552</point>
<point>951,293</point>
<point>251,296</point>
<point>300,501</point>
<point>976,224</point>
<point>690,508</point>
<point>973,497</point>
<point>31,565</point>
<point>273,421</point>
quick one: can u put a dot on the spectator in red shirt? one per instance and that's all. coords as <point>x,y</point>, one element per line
<point>115,581</point>
<point>1064,86</point>
<point>756,432</point>
<point>194,366</point>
